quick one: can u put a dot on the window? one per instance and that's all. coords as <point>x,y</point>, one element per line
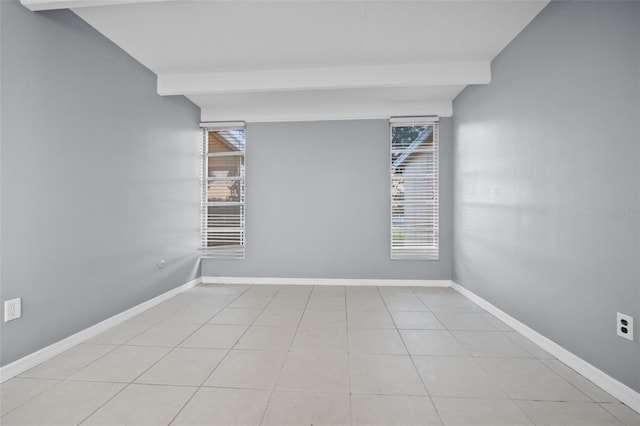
<point>223,173</point>
<point>414,189</point>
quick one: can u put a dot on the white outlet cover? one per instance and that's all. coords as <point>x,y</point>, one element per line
<point>12,309</point>
<point>629,326</point>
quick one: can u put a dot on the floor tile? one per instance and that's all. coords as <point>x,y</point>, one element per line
<point>17,391</point>
<point>242,344</point>
<point>320,340</point>
<point>392,410</point>
<point>66,403</point>
<point>393,291</point>
<point>213,301</point>
<point>531,380</point>
<point>623,413</point>
<point>363,292</point>
<point>121,333</point>
<point>373,303</point>
<point>142,405</point>
<point>280,317</point>
<point>68,362</point>
<point>584,385</point>
<point>177,302</point>
<point>164,334</point>
<point>550,413</point>
<point>192,315</point>
<point>262,291</point>
<point>215,336</point>
<point>328,291</point>
<point>123,364</point>
<point>322,303</point>
<point>375,341</point>
<point>315,372</point>
<point>457,377</point>
<point>479,412</point>
<point>449,303</point>
<point>432,342</point>
<point>324,318</point>
<point>492,344</point>
<point>157,313</point>
<point>308,408</point>
<point>254,302</point>
<point>183,366</point>
<point>498,324</point>
<point>405,304</point>
<point>288,302</point>
<point>266,338</point>
<point>535,350</point>
<point>384,374</point>
<point>417,321</point>
<point>236,316</point>
<point>248,370</point>
<point>224,407</point>
<point>369,319</point>
<point>295,291</point>
<point>476,321</point>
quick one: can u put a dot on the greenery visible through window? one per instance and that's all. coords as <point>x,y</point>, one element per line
<point>414,191</point>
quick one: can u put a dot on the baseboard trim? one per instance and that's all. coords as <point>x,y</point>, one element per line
<point>23,364</point>
<point>325,281</point>
<point>618,389</point>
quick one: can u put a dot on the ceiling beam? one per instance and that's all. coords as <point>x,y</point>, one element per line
<point>38,5</point>
<point>314,112</point>
<point>412,75</point>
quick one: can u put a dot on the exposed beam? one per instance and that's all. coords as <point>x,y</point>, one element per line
<point>313,112</point>
<point>38,5</point>
<point>412,75</point>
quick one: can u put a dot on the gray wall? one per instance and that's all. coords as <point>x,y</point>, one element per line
<point>544,155</point>
<point>99,180</point>
<point>318,204</point>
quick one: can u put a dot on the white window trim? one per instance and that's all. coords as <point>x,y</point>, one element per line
<point>431,252</point>
<point>231,252</point>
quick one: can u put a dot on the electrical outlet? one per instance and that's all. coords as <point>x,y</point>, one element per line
<point>625,326</point>
<point>12,309</point>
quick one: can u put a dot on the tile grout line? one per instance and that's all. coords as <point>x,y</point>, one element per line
<point>411,356</point>
<point>346,319</point>
<point>56,383</point>
<point>126,385</point>
<point>484,370</point>
<point>68,378</point>
<point>475,359</point>
<point>225,356</point>
<point>275,385</point>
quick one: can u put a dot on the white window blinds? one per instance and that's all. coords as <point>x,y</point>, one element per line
<point>414,190</point>
<point>223,192</point>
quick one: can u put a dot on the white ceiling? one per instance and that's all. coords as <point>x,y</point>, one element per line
<point>306,60</point>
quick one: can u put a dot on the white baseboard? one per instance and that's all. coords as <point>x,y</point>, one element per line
<point>23,364</point>
<point>325,281</point>
<point>618,389</point>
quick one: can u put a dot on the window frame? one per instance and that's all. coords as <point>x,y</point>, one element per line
<point>430,251</point>
<point>231,251</point>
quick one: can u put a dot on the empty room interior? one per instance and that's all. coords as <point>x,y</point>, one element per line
<point>320,212</point>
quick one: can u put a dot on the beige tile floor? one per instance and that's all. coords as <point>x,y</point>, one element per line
<point>302,355</point>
